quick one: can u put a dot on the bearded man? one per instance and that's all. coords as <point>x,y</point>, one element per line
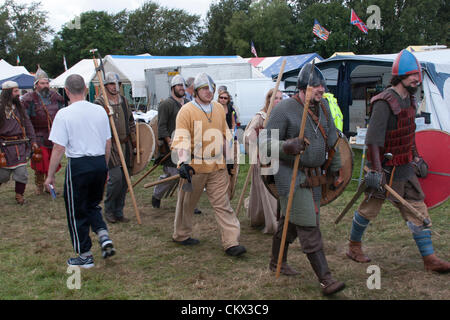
<point>392,130</point>
<point>16,133</point>
<point>42,105</point>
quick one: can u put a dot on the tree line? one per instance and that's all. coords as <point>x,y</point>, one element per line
<point>276,27</point>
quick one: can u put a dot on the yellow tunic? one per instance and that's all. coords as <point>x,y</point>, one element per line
<point>202,136</point>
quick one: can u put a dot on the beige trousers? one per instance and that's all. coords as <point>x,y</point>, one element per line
<point>370,208</point>
<point>216,189</point>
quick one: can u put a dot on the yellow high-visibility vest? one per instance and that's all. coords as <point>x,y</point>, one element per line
<point>335,110</point>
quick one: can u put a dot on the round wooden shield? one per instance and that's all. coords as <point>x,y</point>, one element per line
<point>345,174</point>
<point>146,147</point>
<point>234,172</point>
<point>434,147</point>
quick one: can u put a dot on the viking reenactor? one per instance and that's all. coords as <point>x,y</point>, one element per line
<point>167,114</point>
<point>202,146</point>
<point>392,130</point>
<point>17,139</point>
<point>316,147</point>
<point>116,187</point>
<point>262,206</point>
<point>42,104</point>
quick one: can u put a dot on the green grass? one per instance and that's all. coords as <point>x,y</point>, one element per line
<point>35,244</point>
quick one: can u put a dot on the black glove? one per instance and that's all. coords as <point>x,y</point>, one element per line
<point>229,168</point>
<point>186,171</point>
<point>294,146</point>
<point>375,180</point>
<point>420,168</point>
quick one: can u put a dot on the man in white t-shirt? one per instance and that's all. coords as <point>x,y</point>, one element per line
<point>81,131</point>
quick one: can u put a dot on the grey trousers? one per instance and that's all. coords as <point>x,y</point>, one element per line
<point>116,192</point>
<point>19,174</point>
<point>163,188</point>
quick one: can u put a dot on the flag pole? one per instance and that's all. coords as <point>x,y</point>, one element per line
<point>348,41</point>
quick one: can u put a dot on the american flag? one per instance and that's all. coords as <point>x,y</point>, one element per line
<point>356,21</point>
<point>253,50</point>
<point>320,31</point>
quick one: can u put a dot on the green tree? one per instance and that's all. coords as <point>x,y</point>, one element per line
<point>213,40</point>
<point>23,31</point>
<point>160,31</point>
<point>404,23</point>
<point>97,29</point>
<point>334,17</point>
<point>269,24</point>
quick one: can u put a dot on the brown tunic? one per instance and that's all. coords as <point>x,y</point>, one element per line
<point>13,129</point>
<point>126,130</point>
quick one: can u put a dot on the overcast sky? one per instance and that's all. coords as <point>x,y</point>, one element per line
<point>62,11</point>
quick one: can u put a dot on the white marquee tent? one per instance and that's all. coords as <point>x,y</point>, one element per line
<point>131,68</point>
<point>7,70</point>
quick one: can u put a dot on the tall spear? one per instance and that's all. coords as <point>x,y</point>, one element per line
<point>295,171</point>
<point>110,113</point>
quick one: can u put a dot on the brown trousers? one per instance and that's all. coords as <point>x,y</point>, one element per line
<point>216,189</point>
<point>310,237</point>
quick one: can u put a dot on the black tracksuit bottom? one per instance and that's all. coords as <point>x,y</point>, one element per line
<point>83,192</point>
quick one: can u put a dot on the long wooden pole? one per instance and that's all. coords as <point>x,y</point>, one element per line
<point>116,139</point>
<point>138,144</point>
<point>294,174</point>
<point>269,110</point>
<point>171,178</point>
<point>151,169</point>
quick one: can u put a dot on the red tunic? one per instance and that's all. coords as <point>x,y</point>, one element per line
<point>42,112</point>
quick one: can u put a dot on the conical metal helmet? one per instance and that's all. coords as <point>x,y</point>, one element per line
<point>40,74</point>
<point>317,77</point>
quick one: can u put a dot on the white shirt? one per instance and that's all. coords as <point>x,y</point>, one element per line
<point>82,128</point>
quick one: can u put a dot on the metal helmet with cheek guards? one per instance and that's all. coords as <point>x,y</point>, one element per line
<point>303,77</point>
<point>177,80</point>
<point>204,80</point>
<point>112,77</point>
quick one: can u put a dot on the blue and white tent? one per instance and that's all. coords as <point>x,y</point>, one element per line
<point>295,62</point>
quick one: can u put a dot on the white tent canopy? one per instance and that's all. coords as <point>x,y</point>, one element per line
<point>436,82</point>
<point>84,68</point>
<point>131,68</point>
<point>7,70</point>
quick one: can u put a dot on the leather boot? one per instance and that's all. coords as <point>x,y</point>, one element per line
<point>39,179</point>
<point>320,266</point>
<point>433,263</point>
<point>355,252</point>
<point>20,199</point>
<point>285,268</point>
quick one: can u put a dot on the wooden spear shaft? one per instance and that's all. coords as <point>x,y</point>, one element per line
<point>116,139</point>
<point>294,174</point>
<point>152,169</point>
<point>269,110</point>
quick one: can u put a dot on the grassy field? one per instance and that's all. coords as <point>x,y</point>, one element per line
<point>35,244</point>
